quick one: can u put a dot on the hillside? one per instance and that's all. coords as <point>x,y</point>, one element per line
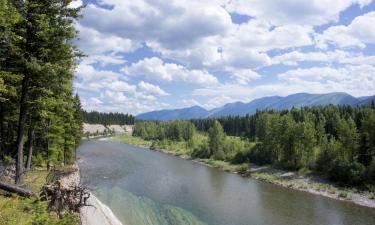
<point>272,102</point>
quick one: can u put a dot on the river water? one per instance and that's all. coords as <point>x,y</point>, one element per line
<point>148,187</point>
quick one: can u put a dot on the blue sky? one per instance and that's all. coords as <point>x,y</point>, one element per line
<point>146,55</point>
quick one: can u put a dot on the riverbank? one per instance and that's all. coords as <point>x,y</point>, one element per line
<point>95,213</point>
<point>292,180</point>
<point>16,210</point>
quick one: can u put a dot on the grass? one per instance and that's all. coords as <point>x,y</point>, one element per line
<point>16,210</point>
<point>132,140</point>
<point>226,166</point>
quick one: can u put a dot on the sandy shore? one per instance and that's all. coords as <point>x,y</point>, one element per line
<point>97,213</point>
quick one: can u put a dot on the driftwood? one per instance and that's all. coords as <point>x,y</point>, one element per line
<point>15,189</point>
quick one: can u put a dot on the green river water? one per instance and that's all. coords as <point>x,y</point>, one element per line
<point>144,187</point>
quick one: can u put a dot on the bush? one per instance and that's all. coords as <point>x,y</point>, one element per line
<point>343,194</point>
<point>370,175</point>
<point>38,160</point>
<point>8,160</point>
<point>241,157</point>
<point>346,172</point>
<point>259,155</point>
<point>202,151</point>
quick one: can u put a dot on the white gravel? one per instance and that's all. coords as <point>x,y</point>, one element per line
<point>97,213</point>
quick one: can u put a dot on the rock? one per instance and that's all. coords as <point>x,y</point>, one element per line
<point>287,175</point>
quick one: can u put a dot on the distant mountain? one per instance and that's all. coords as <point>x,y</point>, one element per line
<point>240,108</point>
<point>174,114</point>
<point>367,100</point>
<point>273,102</point>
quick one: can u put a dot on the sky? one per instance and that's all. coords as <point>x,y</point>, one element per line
<point>145,55</point>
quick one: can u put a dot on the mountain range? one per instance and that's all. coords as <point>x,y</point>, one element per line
<point>273,102</point>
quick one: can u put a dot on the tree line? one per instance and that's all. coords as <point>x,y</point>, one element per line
<point>95,117</point>
<point>40,116</point>
<point>335,141</point>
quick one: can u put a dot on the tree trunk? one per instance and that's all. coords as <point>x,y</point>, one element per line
<point>30,147</point>
<point>48,144</point>
<point>2,141</point>
<point>14,189</point>
<point>65,156</point>
<point>21,130</point>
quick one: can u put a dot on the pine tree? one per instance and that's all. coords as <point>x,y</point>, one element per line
<point>216,140</point>
<point>47,57</point>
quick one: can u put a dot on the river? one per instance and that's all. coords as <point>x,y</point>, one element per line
<point>148,187</point>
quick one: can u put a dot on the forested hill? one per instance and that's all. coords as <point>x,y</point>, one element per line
<point>273,102</point>
<point>95,117</point>
<point>334,141</point>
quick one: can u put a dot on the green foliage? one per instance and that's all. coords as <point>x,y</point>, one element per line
<point>336,141</point>
<point>175,130</point>
<point>108,118</point>
<point>15,210</point>
<point>216,141</point>
<point>346,172</point>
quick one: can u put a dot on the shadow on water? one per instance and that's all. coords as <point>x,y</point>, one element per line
<point>148,187</point>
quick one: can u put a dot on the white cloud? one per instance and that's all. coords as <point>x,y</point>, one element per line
<point>88,73</point>
<point>155,69</point>
<point>75,4</point>
<point>104,60</point>
<point>358,80</point>
<point>281,12</point>
<point>244,76</point>
<point>356,34</point>
<point>94,42</point>
<point>151,89</point>
<point>243,47</point>
<point>336,56</point>
<point>196,40</point>
<point>172,23</point>
<point>115,97</point>
<point>217,101</point>
<point>189,103</point>
<point>355,80</point>
<point>121,86</point>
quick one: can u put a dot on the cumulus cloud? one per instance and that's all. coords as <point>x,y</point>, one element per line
<point>355,80</point>
<point>336,56</point>
<point>93,42</point>
<point>155,69</point>
<point>357,34</point>
<point>104,60</point>
<point>189,103</point>
<point>244,76</point>
<point>76,4</point>
<point>217,101</point>
<point>151,89</point>
<point>194,43</point>
<point>281,12</point>
<point>172,23</point>
<point>121,86</point>
<point>88,73</point>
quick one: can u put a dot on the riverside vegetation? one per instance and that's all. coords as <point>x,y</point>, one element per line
<point>336,143</point>
<point>39,113</point>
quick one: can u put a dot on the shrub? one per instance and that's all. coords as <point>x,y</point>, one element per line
<point>371,172</point>
<point>241,157</point>
<point>202,151</point>
<point>259,155</point>
<point>346,172</point>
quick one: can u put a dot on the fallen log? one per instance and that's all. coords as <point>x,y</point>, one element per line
<point>15,189</point>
